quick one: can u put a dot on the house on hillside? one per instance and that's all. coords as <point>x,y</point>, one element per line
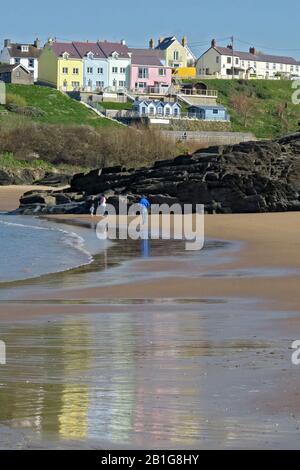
<point>24,54</point>
<point>119,59</point>
<point>175,54</point>
<point>148,74</point>
<point>95,65</point>
<point>157,108</point>
<point>17,74</point>
<point>224,62</point>
<point>61,66</point>
<point>208,113</point>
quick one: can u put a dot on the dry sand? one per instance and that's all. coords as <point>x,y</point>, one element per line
<point>10,195</point>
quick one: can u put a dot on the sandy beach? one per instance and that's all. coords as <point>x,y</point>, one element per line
<point>226,329</point>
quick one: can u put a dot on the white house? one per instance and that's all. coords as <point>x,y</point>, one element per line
<point>157,108</point>
<point>119,60</point>
<point>221,62</point>
<point>24,54</point>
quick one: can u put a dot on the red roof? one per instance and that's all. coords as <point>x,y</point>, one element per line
<point>146,57</point>
<point>257,57</point>
<point>83,48</point>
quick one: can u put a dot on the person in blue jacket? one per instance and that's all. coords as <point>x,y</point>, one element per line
<point>144,205</point>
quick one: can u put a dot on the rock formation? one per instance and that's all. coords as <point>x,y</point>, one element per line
<point>249,177</point>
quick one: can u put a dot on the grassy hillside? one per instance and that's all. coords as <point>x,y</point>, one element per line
<point>56,107</point>
<point>272,113</point>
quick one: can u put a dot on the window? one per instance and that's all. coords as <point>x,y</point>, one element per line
<point>237,61</point>
<point>31,63</point>
<point>267,65</point>
<point>24,48</point>
<point>65,70</point>
<point>274,66</point>
<point>115,70</point>
<point>99,84</point>
<point>17,60</point>
<point>151,110</point>
<point>122,83</point>
<point>141,85</point>
<point>159,110</point>
<point>143,72</point>
<point>162,72</point>
<point>217,59</point>
<point>90,70</point>
<point>281,66</point>
<point>243,63</point>
<point>122,70</point>
<point>176,55</point>
<point>176,112</point>
<point>75,71</point>
<point>100,70</point>
<point>228,60</point>
<point>144,110</point>
<point>75,84</point>
<point>215,111</point>
<point>168,111</point>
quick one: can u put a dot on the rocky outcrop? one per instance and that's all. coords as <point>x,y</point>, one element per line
<point>248,177</point>
<point>33,176</point>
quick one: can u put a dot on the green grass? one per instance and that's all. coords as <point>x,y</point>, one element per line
<point>9,162</point>
<point>266,96</point>
<point>57,107</point>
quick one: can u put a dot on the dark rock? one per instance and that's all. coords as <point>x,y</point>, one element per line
<point>249,177</point>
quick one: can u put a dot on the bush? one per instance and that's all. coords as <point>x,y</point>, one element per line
<point>15,100</point>
<point>85,146</point>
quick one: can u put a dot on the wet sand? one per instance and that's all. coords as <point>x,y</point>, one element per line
<point>200,359</point>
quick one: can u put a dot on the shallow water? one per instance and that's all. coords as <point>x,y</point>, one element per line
<point>31,248</point>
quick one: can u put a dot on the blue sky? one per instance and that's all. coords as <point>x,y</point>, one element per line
<point>262,23</point>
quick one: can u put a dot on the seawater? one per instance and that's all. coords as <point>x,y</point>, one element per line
<point>30,248</point>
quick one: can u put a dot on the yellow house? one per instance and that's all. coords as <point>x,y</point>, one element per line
<point>61,66</point>
<point>174,53</point>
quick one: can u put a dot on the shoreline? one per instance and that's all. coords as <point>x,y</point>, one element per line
<point>267,242</point>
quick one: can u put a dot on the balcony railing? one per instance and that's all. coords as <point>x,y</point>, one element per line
<point>197,92</point>
<point>151,90</point>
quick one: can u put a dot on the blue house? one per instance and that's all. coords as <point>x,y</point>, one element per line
<point>157,108</point>
<point>95,65</point>
<point>208,113</point>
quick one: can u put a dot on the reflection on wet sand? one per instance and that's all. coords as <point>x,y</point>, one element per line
<point>147,377</point>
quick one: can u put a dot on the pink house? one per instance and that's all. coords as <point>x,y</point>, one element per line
<point>148,74</point>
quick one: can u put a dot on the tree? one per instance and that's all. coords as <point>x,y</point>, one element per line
<point>243,106</point>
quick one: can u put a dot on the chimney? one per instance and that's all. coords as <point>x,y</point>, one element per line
<point>151,43</point>
<point>252,50</point>
<point>160,41</point>
<point>7,42</point>
<point>123,42</point>
<point>37,43</point>
<point>213,43</point>
<point>229,46</point>
<point>184,41</point>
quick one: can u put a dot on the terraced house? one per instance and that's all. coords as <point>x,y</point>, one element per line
<point>148,74</point>
<point>85,65</point>
<point>61,66</point>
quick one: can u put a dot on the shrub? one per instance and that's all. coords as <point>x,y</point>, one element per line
<point>15,100</point>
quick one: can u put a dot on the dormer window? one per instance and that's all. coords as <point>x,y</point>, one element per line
<point>25,48</point>
<point>115,54</point>
<point>65,55</point>
<point>90,55</point>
